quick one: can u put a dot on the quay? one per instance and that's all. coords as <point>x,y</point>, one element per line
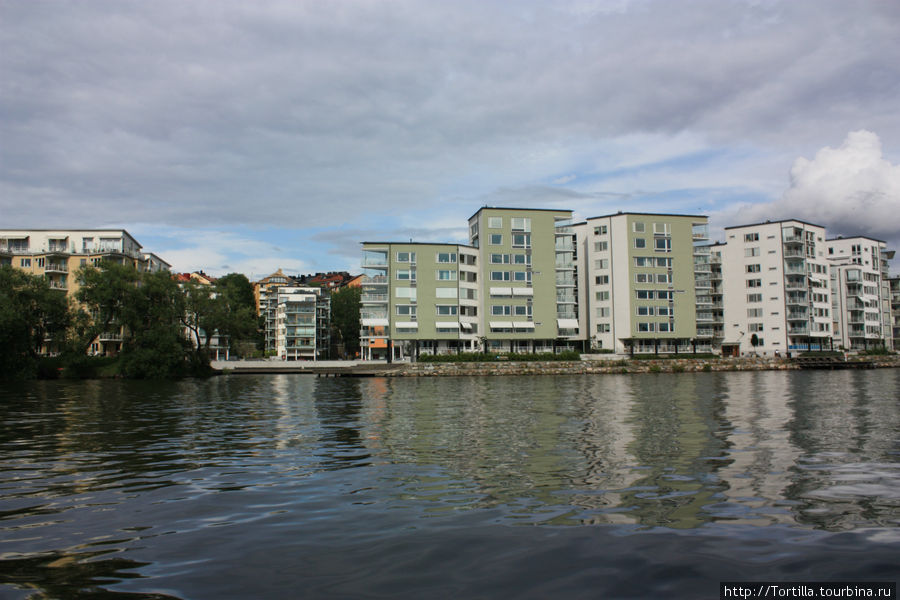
<point>321,368</point>
<point>831,362</point>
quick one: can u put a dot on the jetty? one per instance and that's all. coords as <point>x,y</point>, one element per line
<point>321,368</point>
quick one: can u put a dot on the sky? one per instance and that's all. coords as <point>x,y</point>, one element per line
<point>235,136</point>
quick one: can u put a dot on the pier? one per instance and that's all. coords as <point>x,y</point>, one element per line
<point>322,368</point>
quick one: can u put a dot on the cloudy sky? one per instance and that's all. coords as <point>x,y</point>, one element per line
<point>246,136</point>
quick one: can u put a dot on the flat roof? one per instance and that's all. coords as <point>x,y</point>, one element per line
<point>562,210</point>
<point>854,237</point>
<point>421,244</point>
<point>647,214</point>
<point>775,223</point>
<point>64,230</point>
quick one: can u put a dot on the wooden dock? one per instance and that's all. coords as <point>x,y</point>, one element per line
<point>311,368</point>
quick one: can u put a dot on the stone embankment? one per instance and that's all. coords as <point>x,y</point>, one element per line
<point>422,369</point>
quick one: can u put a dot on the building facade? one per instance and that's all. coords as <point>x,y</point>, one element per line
<point>777,289</point>
<point>642,291</point>
<point>302,322</point>
<point>861,294</point>
<point>57,254</point>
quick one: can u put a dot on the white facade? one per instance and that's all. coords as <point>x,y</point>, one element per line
<point>302,316</point>
<point>861,301</point>
<point>776,289</point>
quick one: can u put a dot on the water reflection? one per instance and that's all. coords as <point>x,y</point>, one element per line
<point>99,479</point>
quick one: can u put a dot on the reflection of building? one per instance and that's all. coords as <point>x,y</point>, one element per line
<point>894,284</point>
<point>777,289</point>
<point>57,254</point>
<point>861,295</point>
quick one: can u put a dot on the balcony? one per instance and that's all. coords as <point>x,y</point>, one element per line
<point>56,268</point>
<point>376,280</point>
<point>374,298</point>
<point>795,299</point>
<point>795,283</point>
<point>798,330</point>
<point>798,315</point>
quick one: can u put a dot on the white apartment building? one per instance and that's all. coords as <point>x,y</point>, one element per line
<point>861,294</point>
<point>641,292</point>
<point>302,320</point>
<point>777,289</point>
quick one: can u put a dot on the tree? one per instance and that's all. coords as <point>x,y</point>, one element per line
<point>754,341</point>
<point>345,317</point>
<point>104,294</point>
<point>33,317</point>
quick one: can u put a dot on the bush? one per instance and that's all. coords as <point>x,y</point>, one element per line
<point>678,369</point>
<point>707,368</point>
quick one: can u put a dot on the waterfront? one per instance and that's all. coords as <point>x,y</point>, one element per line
<point>566,486</point>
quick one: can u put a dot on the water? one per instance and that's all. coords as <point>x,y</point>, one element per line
<point>289,486</point>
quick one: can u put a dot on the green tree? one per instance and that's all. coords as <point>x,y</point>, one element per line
<point>345,317</point>
<point>104,294</point>
<point>33,317</point>
<point>236,310</point>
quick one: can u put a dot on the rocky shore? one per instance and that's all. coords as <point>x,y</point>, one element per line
<point>422,369</point>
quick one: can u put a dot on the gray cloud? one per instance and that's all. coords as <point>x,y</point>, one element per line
<point>307,114</point>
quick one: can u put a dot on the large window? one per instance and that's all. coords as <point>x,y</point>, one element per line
<point>751,237</point>
<point>522,259</point>
<point>446,310</point>
<point>446,292</point>
<point>446,257</point>
<point>499,275</point>
<point>446,275</point>
<point>521,275</point>
<point>495,222</point>
<point>406,257</point>
<point>600,230</point>
<point>663,244</point>
<point>752,251</point>
<point>496,239</point>
<point>406,310</point>
<point>640,243</point>
<point>521,240</point>
<point>601,246</point>
<point>520,224</point>
<point>406,274</point>
<point>637,227</point>
<point>753,268</point>
<point>499,259</point>
<point>499,310</point>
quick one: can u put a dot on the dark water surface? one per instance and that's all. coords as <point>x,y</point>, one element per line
<point>289,486</point>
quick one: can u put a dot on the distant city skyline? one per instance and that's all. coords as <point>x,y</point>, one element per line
<point>235,137</point>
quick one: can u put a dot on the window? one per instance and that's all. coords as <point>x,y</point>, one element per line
<point>754,298</point>
<point>520,224</point>
<point>521,275</point>
<point>601,246</point>
<point>637,227</point>
<point>406,310</point>
<point>521,259</point>
<point>640,243</point>
<point>522,311</point>
<point>644,294</point>
<point>496,239</point>
<point>521,240</point>
<point>446,309</point>
<point>643,278</point>
<point>666,327</point>
<point>753,268</point>
<point>603,311</point>
<point>499,310</point>
<point>446,257</point>
<point>752,283</point>
<point>499,275</point>
<point>601,263</point>
<point>602,327</point>
<point>755,326</point>
<point>406,274</point>
<point>662,228</point>
<point>602,280</point>
<point>600,230</point>
<point>499,259</point>
<point>751,237</point>
<point>646,311</point>
<point>663,262</point>
<point>446,292</point>
<point>663,278</point>
<point>405,292</point>
<point>754,313</point>
<point>446,275</point>
<point>495,222</point>
<point>602,296</point>
<point>26,262</point>
<point>663,244</point>
<point>753,251</point>
<point>644,261</point>
<point>646,327</point>
<point>665,295</point>
<point>406,257</point>
<point>665,311</point>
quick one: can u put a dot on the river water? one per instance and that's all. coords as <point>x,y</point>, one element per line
<point>588,486</point>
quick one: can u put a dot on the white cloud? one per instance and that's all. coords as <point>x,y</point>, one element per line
<point>851,190</point>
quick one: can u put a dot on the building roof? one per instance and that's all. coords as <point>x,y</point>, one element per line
<point>421,244</point>
<point>646,214</point>
<point>560,210</point>
<point>774,223</point>
<point>854,237</point>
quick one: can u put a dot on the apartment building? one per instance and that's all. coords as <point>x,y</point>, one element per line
<point>265,293</point>
<point>57,254</point>
<point>529,300</point>
<point>894,283</point>
<point>302,318</point>
<point>418,298</point>
<point>642,294</point>
<point>861,293</point>
<point>777,289</point>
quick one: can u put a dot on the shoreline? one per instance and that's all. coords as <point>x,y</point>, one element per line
<point>503,368</point>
